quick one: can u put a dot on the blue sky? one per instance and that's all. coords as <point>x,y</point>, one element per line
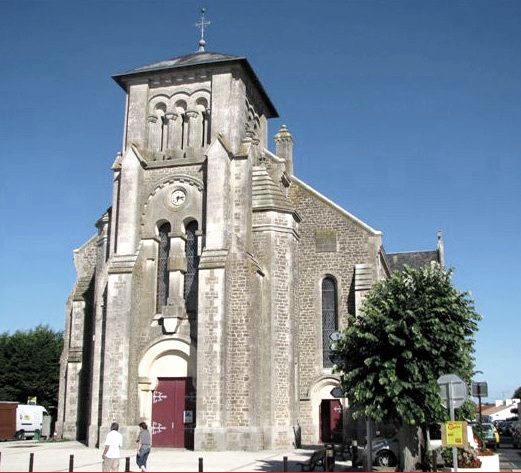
<point>405,113</point>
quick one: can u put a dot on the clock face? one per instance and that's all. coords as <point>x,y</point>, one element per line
<point>178,197</point>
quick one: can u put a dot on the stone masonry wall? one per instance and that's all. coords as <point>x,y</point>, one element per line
<point>337,260</point>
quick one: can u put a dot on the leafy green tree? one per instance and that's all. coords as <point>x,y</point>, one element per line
<point>30,364</point>
<point>415,327</point>
<point>517,393</point>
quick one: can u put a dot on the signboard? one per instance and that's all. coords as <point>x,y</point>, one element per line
<point>453,390</point>
<point>337,392</point>
<point>454,434</point>
<point>479,389</point>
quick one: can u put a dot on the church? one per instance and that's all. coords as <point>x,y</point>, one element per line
<point>205,301</point>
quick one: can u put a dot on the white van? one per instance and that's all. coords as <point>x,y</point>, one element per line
<point>29,418</point>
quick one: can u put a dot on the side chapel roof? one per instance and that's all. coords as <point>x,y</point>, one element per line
<point>416,259</point>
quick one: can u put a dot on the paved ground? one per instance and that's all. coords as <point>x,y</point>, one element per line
<point>55,456</point>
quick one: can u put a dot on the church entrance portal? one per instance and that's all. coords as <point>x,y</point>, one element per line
<point>173,413</point>
<point>331,421</point>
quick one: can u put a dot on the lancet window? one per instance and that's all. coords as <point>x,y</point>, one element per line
<point>157,128</point>
<point>192,264</point>
<point>162,266</point>
<point>329,316</point>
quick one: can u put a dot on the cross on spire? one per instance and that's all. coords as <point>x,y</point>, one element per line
<point>201,24</point>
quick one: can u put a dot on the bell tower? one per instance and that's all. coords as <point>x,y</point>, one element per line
<point>181,271</point>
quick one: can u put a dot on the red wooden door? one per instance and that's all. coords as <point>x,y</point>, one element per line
<point>173,413</point>
<point>331,420</point>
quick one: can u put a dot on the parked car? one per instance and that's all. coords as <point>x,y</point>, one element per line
<point>509,427</point>
<point>488,434</point>
<point>384,451</point>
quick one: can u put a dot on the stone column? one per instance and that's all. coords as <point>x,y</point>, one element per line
<point>154,133</point>
<point>170,133</point>
<point>190,130</point>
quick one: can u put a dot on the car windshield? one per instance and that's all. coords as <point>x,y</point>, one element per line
<point>485,428</point>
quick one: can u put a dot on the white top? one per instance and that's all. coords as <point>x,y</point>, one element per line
<point>114,441</point>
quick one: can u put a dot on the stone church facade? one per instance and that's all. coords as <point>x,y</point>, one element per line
<point>205,301</point>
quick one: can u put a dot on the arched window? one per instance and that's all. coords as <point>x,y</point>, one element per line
<point>329,317</point>
<point>181,125</point>
<point>157,124</point>
<point>192,264</point>
<point>162,266</point>
<point>203,117</point>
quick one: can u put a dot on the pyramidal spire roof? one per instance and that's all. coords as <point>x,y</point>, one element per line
<point>193,59</point>
<point>197,59</point>
<point>200,57</point>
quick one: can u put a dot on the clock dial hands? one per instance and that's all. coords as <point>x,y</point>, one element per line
<point>178,197</point>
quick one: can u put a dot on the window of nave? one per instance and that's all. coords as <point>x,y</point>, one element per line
<point>329,316</point>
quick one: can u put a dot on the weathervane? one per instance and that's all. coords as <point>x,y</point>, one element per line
<point>201,24</point>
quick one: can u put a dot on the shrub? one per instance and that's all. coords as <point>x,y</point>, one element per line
<point>467,457</point>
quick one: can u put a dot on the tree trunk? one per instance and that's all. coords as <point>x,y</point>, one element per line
<point>409,441</point>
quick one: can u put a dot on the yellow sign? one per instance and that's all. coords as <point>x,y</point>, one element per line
<point>454,434</point>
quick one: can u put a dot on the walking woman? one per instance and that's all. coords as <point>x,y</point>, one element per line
<point>143,446</point>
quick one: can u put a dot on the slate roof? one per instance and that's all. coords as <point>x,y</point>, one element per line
<point>414,259</point>
<point>194,60</point>
<point>183,61</point>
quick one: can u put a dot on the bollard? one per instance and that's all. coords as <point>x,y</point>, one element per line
<point>201,464</point>
<point>354,452</point>
<point>329,459</point>
<point>71,463</point>
<point>285,464</point>
<point>127,464</point>
<point>31,461</point>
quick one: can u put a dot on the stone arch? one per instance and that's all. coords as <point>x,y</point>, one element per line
<point>159,223</point>
<point>319,389</point>
<point>202,128</point>
<point>172,357</point>
<point>157,123</point>
<point>158,204</point>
